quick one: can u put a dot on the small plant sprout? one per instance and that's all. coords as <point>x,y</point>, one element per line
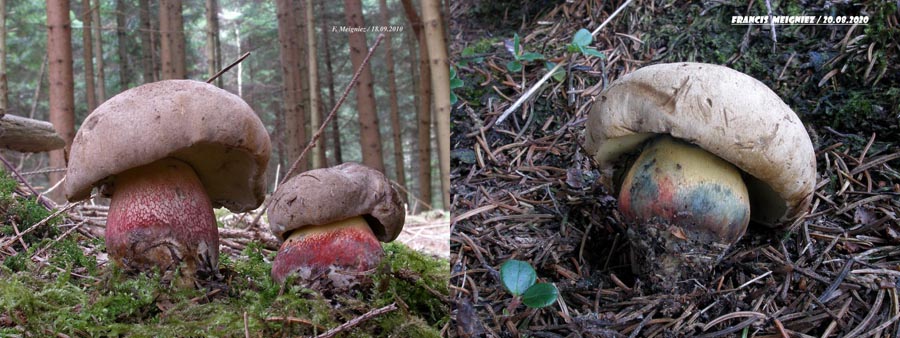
<point>519,279</point>
<point>519,54</point>
<point>580,43</point>
<point>455,82</point>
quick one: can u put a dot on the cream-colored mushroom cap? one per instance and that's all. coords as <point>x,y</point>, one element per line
<point>327,195</point>
<point>725,112</point>
<point>212,130</point>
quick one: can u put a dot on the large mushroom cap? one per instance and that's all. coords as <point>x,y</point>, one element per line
<point>327,195</point>
<point>214,131</point>
<point>725,112</point>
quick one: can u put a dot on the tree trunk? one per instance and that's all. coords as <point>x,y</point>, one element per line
<point>315,113</point>
<point>171,26</point>
<point>88,57</point>
<point>213,50</point>
<point>329,74</point>
<point>146,41</point>
<point>424,111</point>
<point>124,69</point>
<point>291,61</point>
<point>412,134</point>
<point>62,114</point>
<point>369,136</point>
<point>440,84</point>
<point>4,88</point>
<point>98,53</point>
<point>392,91</point>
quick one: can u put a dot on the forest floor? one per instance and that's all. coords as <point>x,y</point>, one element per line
<point>525,189</point>
<point>56,280</point>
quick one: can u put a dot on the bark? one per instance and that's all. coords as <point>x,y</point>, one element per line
<point>392,94</point>
<point>424,108</point>
<point>124,69</point>
<point>440,83</point>
<point>213,50</point>
<point>329,74</point>
<point>4,88</point>
<point>171,26</point>
<point>291,65</point>
<point>87,51</point>
<point>300,21</point>
<point>369,136</point>
<point>315,113</point>
<point>146,41</point>
<point>62,114</point>
<point>98,52</point>
<point>27,135</point>
<point>414,85</point>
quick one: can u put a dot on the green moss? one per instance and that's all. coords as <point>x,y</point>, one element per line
<point>70,293</point>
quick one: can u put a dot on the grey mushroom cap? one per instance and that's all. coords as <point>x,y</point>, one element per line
<point>327,195</point>
<point>212,130</point>
<point>725,112</point>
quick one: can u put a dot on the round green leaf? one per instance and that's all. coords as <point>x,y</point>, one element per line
<point>514,66</point>
<point>455,83</point>
<point>594,52</point>
<point>540,295</point>
<point>517,276</point>
<point>582,37</point>
<point>453,98</point>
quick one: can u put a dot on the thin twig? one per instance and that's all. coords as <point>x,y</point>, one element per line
<point>355,321</point>
<point>312,141</point>
<point>528,93</point>
<point>38,224</point>
<point>219,73</point>
<point>59,238</point>
<point>611,16</point>
<point>315,137</point>
<point>547,76</point>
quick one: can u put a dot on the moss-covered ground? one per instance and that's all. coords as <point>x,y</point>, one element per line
<point>54,283</point>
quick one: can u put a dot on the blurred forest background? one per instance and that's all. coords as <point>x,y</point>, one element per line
<point>120,44</point>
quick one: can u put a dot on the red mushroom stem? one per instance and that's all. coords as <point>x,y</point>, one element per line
<point>338,250</point>
<point>160,216</point>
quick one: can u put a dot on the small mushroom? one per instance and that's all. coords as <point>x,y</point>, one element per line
<point>733,152</point>
<point>331,220</point>
<point>166,153</point>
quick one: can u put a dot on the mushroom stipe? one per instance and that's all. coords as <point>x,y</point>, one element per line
<point>683,207</point>
<point>338,251</point>
<point>160,216</point>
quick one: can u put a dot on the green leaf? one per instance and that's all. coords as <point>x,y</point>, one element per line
<point>540,295</point>
<point>560,73</point>
<point>453,98</point>
<point>572,48</point>
<point>593,52</point>
<point>517,276</point>
<point>452,73</point>
<point>455,83</point>
<point>582,37</point>
<point>517,48</point>
<point>468,51</point>
<point>514,66</point>
<point>531,56</point>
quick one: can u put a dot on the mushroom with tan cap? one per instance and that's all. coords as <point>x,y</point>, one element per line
<point>167,153</point>
<point>732,151</point>
<point>331,220</point>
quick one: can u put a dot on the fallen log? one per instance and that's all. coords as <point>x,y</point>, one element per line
<point>28,135</point>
